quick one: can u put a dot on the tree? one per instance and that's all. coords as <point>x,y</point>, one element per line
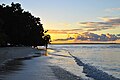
<point>20,27</point>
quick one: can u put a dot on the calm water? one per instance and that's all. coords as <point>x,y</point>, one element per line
<point>89,62</point>
<point>105,58</point>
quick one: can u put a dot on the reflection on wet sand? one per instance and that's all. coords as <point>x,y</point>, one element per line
<point>46,53</point>
<point>28,69</point>
<point>39,68</point>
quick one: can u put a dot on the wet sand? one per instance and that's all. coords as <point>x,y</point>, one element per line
<point>36,67</point>
<point>10,53</point>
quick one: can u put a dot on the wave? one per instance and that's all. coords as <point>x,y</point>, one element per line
<point>93,72</point>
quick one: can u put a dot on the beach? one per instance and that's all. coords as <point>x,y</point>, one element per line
<point>59,62</point>
<point>10,53</point>
<point>33,64</point>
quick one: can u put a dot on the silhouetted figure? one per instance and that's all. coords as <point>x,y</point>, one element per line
<point>47,40</point>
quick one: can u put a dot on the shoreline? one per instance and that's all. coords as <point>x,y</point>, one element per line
<point>57,64</point>
<point>45,63</point>
<point>83,43</point>
<point>12,53</point>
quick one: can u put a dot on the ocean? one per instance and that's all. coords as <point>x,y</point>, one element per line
<point>99,61</point>
<point>65,62</point>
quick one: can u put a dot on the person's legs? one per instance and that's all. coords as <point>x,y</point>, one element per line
<point>46,45</point>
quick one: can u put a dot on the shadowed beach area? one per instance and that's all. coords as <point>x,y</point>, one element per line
<point>33,64</point>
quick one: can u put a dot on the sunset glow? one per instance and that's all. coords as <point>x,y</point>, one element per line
<point>70,18</point>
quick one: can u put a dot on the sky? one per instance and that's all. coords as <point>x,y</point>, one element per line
<point>74,16</point>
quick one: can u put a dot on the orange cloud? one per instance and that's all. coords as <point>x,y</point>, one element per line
<point>72,31</point>
<point>57,31</point>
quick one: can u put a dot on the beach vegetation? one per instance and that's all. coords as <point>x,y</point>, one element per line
<point>19,27</point>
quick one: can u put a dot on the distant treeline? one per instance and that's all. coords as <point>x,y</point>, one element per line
<point>19,27</point>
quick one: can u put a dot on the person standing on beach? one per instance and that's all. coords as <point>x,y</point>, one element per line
<point>47,39</point>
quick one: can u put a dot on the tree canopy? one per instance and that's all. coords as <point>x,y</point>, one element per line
<point>19,27</point>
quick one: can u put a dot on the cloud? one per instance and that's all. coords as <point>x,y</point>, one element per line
<point>112,9</point>
<point>106,23</point>
<point>57,31</point>
<point>93,29</point>
<point>71,31</point>
<point>115,9</point>
<point>87,36</point>
<point>65,24</point>
<point>110,19</point>
<point>95,37</point>
<point>86,24</point>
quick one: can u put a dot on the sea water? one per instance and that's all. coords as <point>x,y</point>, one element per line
<point>99,61</point>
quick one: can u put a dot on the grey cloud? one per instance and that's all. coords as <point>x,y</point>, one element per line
<point>92,37</point>
<point>97,26</point>
<point>96,37</point>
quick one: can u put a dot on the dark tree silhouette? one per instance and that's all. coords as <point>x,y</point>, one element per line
<point>47,40</point>
<point>19,27</point>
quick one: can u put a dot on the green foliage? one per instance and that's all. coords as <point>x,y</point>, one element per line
<point>19,27</point>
